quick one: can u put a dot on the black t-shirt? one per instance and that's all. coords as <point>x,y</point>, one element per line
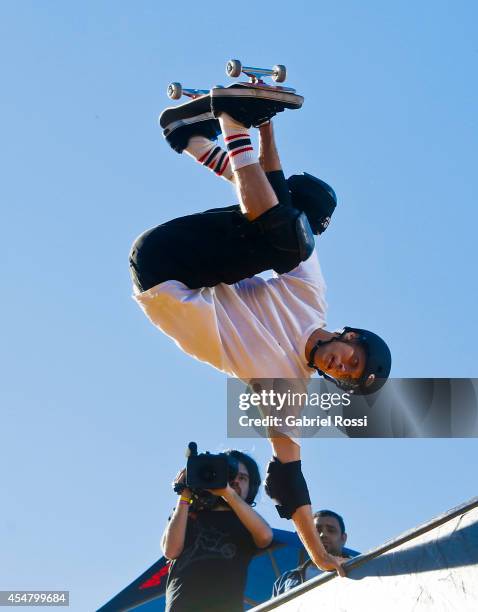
<point>210,574</point>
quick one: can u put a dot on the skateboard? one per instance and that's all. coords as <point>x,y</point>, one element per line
<point>234,69</point>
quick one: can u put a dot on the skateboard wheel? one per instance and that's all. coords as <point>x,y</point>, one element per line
<point>233,68</point>
<point>175,91</point>
<point>279,73</point>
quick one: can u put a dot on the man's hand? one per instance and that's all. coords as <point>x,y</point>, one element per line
<point>331,563</point>
<point>181,479</point>
<point>225,492</point>
<point>258,528</point>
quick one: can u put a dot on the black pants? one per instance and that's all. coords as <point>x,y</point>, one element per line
<point>216,246</point>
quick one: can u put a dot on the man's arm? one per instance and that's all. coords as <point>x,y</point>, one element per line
<point>172,541</point>
<point>287,451</point>
<point>270,163</point>
<point>268,155</point>
<point>254,523</point>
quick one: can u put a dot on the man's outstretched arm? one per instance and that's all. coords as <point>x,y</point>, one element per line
<point>284,485</point>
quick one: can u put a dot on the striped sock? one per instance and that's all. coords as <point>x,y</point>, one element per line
<point>238,142</point>
<point>210,155</point>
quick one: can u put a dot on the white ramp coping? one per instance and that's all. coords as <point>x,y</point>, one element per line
<point>433,567</point>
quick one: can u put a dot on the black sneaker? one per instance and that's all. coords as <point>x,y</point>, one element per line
<point>252,104</point>
<point>193,118</point>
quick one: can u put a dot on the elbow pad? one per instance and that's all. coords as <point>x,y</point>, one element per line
<point>286,485</point>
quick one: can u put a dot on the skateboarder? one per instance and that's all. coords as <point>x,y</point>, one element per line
<point>196,279</point>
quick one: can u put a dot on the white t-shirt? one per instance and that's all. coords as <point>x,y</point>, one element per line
<point>256,328</point>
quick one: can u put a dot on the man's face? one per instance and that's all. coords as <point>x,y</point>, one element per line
<point>342,359</point>
<point>240,484</point>
<point>329,531</point>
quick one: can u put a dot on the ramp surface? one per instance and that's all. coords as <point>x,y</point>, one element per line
<point>431,568</point>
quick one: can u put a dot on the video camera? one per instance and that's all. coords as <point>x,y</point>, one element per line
<point>207,471</point>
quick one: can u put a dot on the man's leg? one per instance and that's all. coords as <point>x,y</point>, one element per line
<point>253,188</point>
<point>200,250</point>
<point>250,180</point>
<point>223,245</point>
<point>210,155</point>
<point>191,128</point>
<point>285,232</point>
<point>254,191</point>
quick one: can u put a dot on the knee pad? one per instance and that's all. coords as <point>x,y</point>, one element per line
<point>133,265</point>
<point>315,198</point>
<point>286,485</point>
<point>289,236</point>
<point>141,263</point>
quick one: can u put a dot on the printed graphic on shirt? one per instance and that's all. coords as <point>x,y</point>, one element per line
<point>210,543</point>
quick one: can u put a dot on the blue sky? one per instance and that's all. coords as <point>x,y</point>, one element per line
<point>96,405</point>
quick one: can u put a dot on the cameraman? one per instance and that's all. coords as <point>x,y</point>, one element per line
<point>211,540</point>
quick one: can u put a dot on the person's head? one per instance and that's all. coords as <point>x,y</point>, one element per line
<point>331,528</point>
<point>247,480</point>
<point>356,360</point>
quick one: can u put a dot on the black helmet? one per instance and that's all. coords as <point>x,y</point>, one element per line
<point>377,365</point>
<point>314,197</point>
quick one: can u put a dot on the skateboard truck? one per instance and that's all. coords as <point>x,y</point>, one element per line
<point>175,91</point>
<point>234,68</point>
